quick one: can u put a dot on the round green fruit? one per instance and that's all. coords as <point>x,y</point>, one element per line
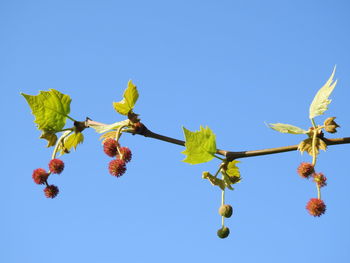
<point>225,211</point>
<point>223,232</point>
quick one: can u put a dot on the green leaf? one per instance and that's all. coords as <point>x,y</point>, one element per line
<point>286,128</point>
<point>73,140</point>
<point>130,97</point>
<point>50,137</point>
<point>50,109</point>
<point>320,103</point>
<point>105,128</point>
<point>233,170</point>
<point>200,145</point>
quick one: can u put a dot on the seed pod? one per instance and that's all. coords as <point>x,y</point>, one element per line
<point>223,232</point>
<point>225,211</point>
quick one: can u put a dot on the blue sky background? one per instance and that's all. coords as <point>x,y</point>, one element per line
<point>231,65</point>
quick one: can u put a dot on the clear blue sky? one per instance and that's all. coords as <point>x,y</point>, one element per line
<point>231,65</point>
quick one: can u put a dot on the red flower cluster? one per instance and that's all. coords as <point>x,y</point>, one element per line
<point>305,170</point>
<point>56,166</point>
<point>51,191</point>
<point>40,176</point>
<point>110,147</point>
<point>125,154</point>
<point>316,207</point>
<point>117,167</point>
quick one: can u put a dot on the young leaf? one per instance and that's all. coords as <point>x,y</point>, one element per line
<point>287,128</point>
<point>233,172</point>
<point>105,128</point>
<point>50,109</point>
<point>73,140</point>
<point>200,145</point>
<point>108,135</point>
<point>130,97</point>
<point>306,145</point>
<point>320,103</point>
<point>213,180</point>
<point>51,138</point>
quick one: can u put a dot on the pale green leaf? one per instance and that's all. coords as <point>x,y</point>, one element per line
<point>321,100</point>
<point>51,138</point>
<point>108,127</point>
<point>287,128</point>
<point>200,145</point>
<point>130,97</point>
<point>306,145</point>
<point>108,135</point>
<point>73,140</point>
<point>50,109</point>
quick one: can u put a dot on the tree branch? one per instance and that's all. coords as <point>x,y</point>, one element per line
<point>228,154</point>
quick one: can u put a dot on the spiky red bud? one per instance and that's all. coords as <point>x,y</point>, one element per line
<point>320,179</point>
<point>305,170</point>
<point>51,191</point>
<point>125,154</point>
<point>56,166</point>
<point>117,167</point>
<point>40,176</point>
<point>316,207</point>
<point>110,147</point>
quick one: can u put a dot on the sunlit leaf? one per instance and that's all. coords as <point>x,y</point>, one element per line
<point>130,97</point>
<point>73,140</point>
<point>287,128</point>
<point>321,100</point>
<point>200,145</point>
<point>51,138</point>
<point>233,171</point>
<point>50,109</point>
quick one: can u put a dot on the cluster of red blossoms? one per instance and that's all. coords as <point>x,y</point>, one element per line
<point>40,176</point>
<point>315,206</point>
<point>117,167</point>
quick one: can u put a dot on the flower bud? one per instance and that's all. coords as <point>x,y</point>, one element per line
<point>330,125</point>
<point>320,179</point>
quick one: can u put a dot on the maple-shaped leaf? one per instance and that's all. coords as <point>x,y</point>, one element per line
<point>50,109</point>
<point>200,145</point>
<point>130,97</point>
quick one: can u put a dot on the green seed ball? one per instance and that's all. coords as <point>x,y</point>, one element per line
<point>223,232</point>
<point>226,211</point>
